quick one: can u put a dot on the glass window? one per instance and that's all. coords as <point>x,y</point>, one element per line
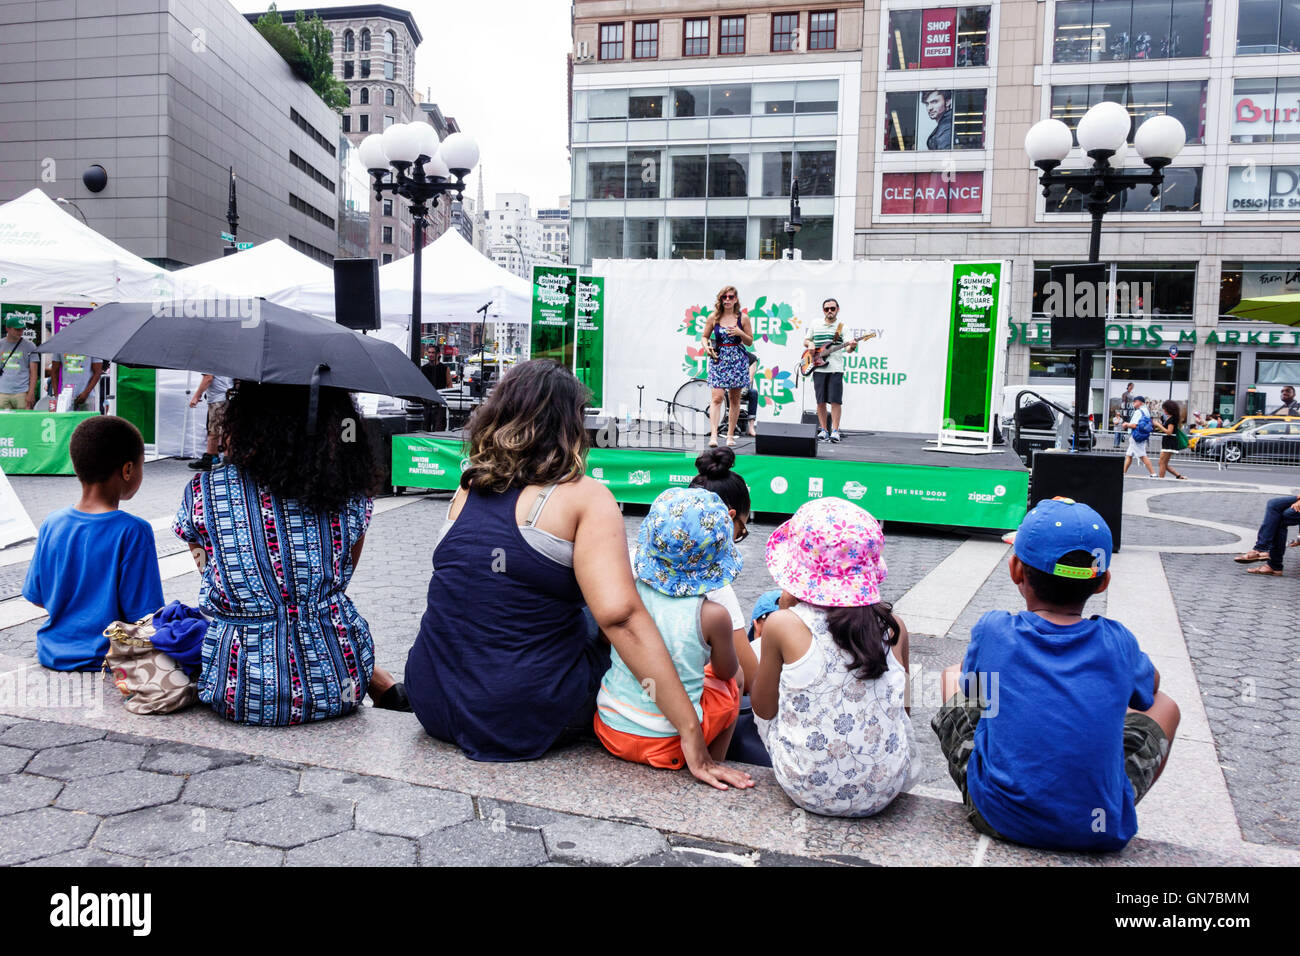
<point>1189,28</point>
<point>390,70</point>
<point>821,30</point>
<point>386,258</point>
<point>364,120</point>
<point>606,172</point>
<point>784,27</point>
<point>349,41</point>
<point>347,123</point>
<point>388,97</point>
<point>1151,20</point>
<point>973,36</point>
<point>695,38</point>
<point>689,169</point>
<point>905,39</point>
<point>817,96</point>
<point>935,120</point>
<point>725,238</point>
<point>389,41</point>
<point>388,207</point>
<point>607,104</point>
<point>645,105</point>
<point>605,238</point>
<point>349,69</point>
<point>1183,99</point>
<point>365,41</point>
<point>730,100</point>
<point>690,101</point>
<point>900,121</point>
<point>389,121</point>
<point>1095,30</point>
<point>686,238</point>
<point>968,119</point>
<point>387,235</point>
<point>777,169</point>
<point>731,35</point>
<point>643,173</point>
<point>1112,23</point>
<point>815,170</point>
<point>645,40</point>
<point>1258,22</point>
<point>770,99</point>
<point>1187,105</point>
<point>364,98</point>
<point>728,171</point>
<point>641,239</point>
<point>365,68</point>
<point>1172,287</point>
<point>611,41</point>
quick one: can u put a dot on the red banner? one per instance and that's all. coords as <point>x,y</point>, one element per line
<point>928,194</point>
<point>938,38</point>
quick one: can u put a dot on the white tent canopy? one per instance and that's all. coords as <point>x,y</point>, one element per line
<point>265,269</point>
<point>49,255</point>
<point>456,282</point>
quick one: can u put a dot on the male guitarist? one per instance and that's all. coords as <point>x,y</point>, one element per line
<point>828,379</point>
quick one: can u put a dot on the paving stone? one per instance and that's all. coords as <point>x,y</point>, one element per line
<point>601,841</point>
<point>39,734</point>
<point>231,788</point>
<point>518,814</point>
<point>413,811</point>
<point>787,859</point>
<point>480,844</point>
<point>685,858</point>
<point>43,832</point>
<point>94,759</point>
<point>19,792</point>
<point>161,831</point>
<point>341,783</point>
<point>225,854</point>
<point>13,759</point>
<point>355,848</point>
<point>292,821</point>
<point>81,859</point>
<point>119,792</point>
<point>183,758</point>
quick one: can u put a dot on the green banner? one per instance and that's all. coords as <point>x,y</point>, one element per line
<point>589,354</point>
<point>554,309</point>
<point>36,443</point>
<point>136,389</point>
<point>961,497</point>
<point>972,347</point>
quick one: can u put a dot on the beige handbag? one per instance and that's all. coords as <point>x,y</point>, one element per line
<point>151,681</point>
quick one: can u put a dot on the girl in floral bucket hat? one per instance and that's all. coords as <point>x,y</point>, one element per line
<point>685,549</point>
<point>829,695</point>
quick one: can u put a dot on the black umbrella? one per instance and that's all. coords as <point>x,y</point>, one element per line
<point>259,342</point>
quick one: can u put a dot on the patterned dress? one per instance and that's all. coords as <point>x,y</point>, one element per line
<point>840,746</point>
<point>286,645</point>
<point>731,368</point>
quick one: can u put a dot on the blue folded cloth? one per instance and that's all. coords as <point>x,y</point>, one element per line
<point>178,633</point>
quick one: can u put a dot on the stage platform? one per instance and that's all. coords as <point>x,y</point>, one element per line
<point>891,475</point>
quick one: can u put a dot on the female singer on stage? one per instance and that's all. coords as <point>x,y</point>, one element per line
<point>726,335</point>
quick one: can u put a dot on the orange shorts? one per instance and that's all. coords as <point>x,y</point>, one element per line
<point>721,705</point>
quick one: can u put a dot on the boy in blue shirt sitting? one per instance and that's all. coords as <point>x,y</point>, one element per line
<point>1054,726</point>
<point>93,563</point>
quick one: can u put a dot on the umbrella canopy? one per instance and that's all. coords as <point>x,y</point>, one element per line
<point>263,270</point>
<point>48,254</point>
<point>1281,309</point>
<point>272,344</point>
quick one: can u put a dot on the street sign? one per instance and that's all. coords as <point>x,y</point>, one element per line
<point>1173,351</point>
<point>227,237</point>
<point>241,246</point>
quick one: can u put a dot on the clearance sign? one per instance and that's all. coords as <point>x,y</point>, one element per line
<point>938,37</point>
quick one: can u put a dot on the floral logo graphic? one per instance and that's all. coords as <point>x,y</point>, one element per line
<point>775,388</point>
<point>696,361</point>
<point>773,321</point>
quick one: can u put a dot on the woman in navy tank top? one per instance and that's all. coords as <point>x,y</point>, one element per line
<point>532,561</point>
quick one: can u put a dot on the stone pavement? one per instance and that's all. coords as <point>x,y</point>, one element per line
<point>86,782</point>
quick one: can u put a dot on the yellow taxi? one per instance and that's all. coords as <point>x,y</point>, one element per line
<point>1241,425</point>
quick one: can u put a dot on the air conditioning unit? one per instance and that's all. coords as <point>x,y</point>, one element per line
<point>584,51</point>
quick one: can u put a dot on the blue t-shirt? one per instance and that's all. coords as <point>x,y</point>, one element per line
<point>88,571</point>
<point>1047,769</point>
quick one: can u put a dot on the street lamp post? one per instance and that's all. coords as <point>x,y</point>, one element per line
<point>795,222</point>
<point>1103,136</point>
<point>407,160</point>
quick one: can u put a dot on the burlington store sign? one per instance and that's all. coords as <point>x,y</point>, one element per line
<point>1156,336</point>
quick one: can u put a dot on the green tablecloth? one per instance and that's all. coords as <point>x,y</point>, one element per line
<point>36,443</point>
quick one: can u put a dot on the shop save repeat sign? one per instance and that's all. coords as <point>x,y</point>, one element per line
<point>938,37</point>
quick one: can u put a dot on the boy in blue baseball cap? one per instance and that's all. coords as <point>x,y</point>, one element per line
<point>1054,726</point>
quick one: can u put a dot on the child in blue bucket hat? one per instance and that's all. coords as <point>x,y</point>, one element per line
<point>685,549</point>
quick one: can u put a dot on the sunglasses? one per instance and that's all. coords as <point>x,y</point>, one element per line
<point>829,308</point>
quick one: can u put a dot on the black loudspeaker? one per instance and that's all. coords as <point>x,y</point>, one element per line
<point>1076,299</point>
<point>602,431</point>
<point>789,440</point>
<point>356,293</point>
<point>1095,480</point>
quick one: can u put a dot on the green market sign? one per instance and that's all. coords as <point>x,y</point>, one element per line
<point>1156,336</point>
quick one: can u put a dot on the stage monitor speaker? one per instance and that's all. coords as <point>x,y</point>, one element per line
<point>1077,301</point>
<point>1095,480</point>
<point>602,430</point>
<point>787,439</point>
<point>356,294</point>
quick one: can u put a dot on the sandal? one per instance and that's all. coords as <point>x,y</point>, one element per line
<point>1181,477</point>
<point>713,441</point>
<point>395,699</point>
<point>1250,557</point>
<point>731,441</point>
<point>1265,569</point>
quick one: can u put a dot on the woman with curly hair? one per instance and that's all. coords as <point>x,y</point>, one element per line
<point>726,336</point>
<point>530,567</point>
<point>277,530</point>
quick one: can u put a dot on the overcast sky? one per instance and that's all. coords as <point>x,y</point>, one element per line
<point>498,66</point>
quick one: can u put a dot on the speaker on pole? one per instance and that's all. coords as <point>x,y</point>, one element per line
<point>356,293</point>
<point>788,439</point>
<point>1077,299</point>
<point>1095,480</point>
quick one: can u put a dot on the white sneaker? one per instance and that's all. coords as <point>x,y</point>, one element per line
<point>835,435</point>
<point>823,435</point>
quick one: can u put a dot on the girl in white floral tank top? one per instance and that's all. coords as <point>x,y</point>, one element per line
<point>829,697</point>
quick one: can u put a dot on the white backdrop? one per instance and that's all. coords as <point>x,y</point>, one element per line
<point>895,382</point>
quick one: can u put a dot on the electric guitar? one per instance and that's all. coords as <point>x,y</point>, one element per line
<point>815,358</point>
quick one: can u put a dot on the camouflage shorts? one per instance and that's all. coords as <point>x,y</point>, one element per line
<point>1145,748</point>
